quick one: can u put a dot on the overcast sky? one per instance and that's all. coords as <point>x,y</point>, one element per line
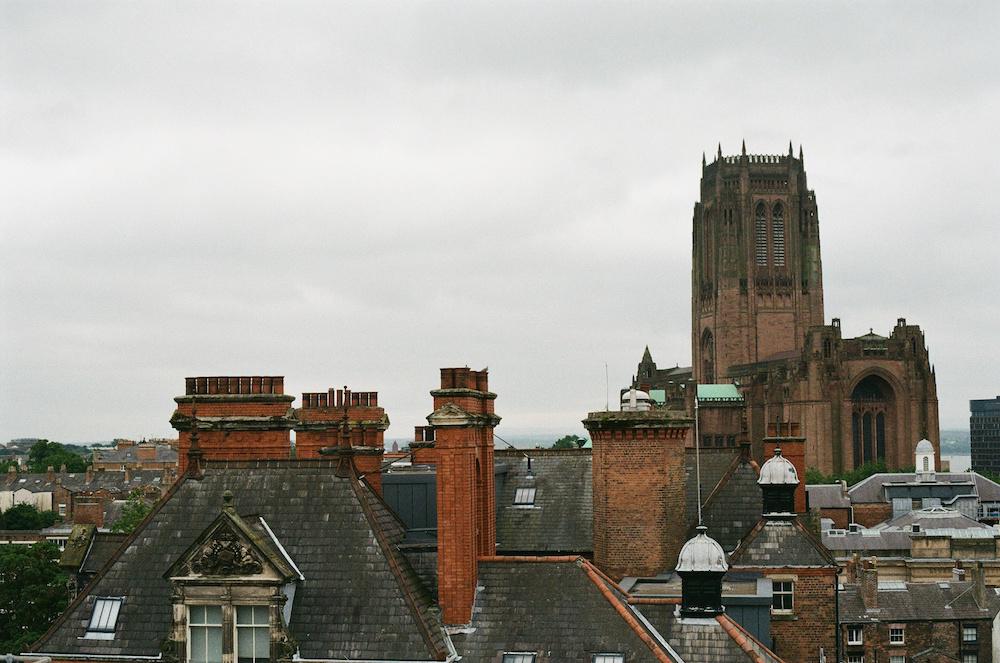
<point>362,193</point>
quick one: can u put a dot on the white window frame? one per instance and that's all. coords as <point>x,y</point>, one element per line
<point>790,593</point>
<point>855,630</point>
<point>901,631</point>
<point>518,657</point>
<point>897,659</point>
<point>855,658</point>
<point>605,657</point>
<point>252,625</point>
<point>975,633</point>
<point>970,657</point>
<point>104,618</point>
<point>206,625</point>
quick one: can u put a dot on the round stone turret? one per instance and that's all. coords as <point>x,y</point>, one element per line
<point>701,566</point>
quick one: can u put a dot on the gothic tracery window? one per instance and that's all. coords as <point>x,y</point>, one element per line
<point>778,235</point>
<point>760,234</point>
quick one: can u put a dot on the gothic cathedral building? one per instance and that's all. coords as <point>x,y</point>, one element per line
<point>757,321</point>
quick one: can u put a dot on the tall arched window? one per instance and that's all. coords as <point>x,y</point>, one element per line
<point>760,226</point>
<point>778,235</point>
<point>707,357</point>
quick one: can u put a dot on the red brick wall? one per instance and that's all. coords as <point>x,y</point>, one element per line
<point>919,636</point>
<point>466,501</point>
<point>799,636</point>
<point>232,408</point>
<point>638,494</point>
<point>872,514</point>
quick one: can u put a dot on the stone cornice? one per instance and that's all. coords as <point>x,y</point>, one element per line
<point>182,422</point>
<point>232,398</point>
<point>450,415</point>
<point>649,419</point>
<point>486,395</point>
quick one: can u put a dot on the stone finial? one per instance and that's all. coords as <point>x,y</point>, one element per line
<point>228,502</point>
<point>719,153</point>
<point>789,148</point>
<point>744,148</point>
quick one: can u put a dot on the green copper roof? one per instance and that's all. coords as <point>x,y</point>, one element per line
<point>658,395</point>
<point>718,392</point>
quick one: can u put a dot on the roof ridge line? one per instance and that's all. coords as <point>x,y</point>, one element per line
<point>728,474</point>
<point>393,564</point>
<point>743,637</point>
<point>529,558</point>
<point>605,576</point>
<point>629,618</point>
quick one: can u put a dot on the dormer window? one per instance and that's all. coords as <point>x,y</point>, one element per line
<point>524,497</point>
<point>104,619</point>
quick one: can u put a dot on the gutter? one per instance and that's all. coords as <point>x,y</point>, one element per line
<point>92,657</point>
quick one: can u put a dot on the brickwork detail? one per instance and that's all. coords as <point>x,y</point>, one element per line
<point>638,491</point>
<point>459,440</point>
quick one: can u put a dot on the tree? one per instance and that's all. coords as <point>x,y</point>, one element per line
<point>44,454</point>
<point>33,591</point>
<point>26,516</point>
<point>569,442</point>
<point>134,512</point>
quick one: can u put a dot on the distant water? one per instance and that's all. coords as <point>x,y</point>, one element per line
<point>959,463</point>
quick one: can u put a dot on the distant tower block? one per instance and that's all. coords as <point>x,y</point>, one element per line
<point>757,280</point>
<point>237,417</point>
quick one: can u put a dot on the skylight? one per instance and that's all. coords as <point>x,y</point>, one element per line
<point>104,618</point>
<point>609,658</point>
<point>524,497</point>
<point>519,657</point>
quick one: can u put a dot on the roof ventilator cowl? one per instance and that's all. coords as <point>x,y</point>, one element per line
<point>701,566</point>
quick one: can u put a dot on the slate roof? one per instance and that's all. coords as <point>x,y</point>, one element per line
<point>871,489</point>
<point>876,541</point>
<point>111,480</point>
<point>827,496</point>
<point>704,640</point>
<point>933,518</point>
<point>715,464</point>
<point>734,506</point>
<point>920,601</point>
<point>102,547</point>
<point>555,607</point>
<point>164,454</point>
<point>780,542</point>
<point>359,599</point>
<point>562,518</point>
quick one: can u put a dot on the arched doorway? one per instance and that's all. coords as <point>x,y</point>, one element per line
<point>872,414</point>
<point>707,357</point>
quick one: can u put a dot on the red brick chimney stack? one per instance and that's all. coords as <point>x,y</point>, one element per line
<point>638,490</point>
<point>239,418</point>
<point>459,439</point>
<point>339,421</point>
<point>787,435</point>
<point>869,583</point>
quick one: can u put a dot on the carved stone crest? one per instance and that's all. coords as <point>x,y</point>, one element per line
<point>225,555</point>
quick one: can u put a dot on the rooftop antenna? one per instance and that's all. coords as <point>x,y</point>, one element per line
<point>520,451</point>
<point>607,389</point>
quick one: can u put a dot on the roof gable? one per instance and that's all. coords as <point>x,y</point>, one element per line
<point>781,543</point>
<point>359,597</point>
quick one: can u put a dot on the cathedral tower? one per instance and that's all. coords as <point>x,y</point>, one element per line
<point>756,278</point>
